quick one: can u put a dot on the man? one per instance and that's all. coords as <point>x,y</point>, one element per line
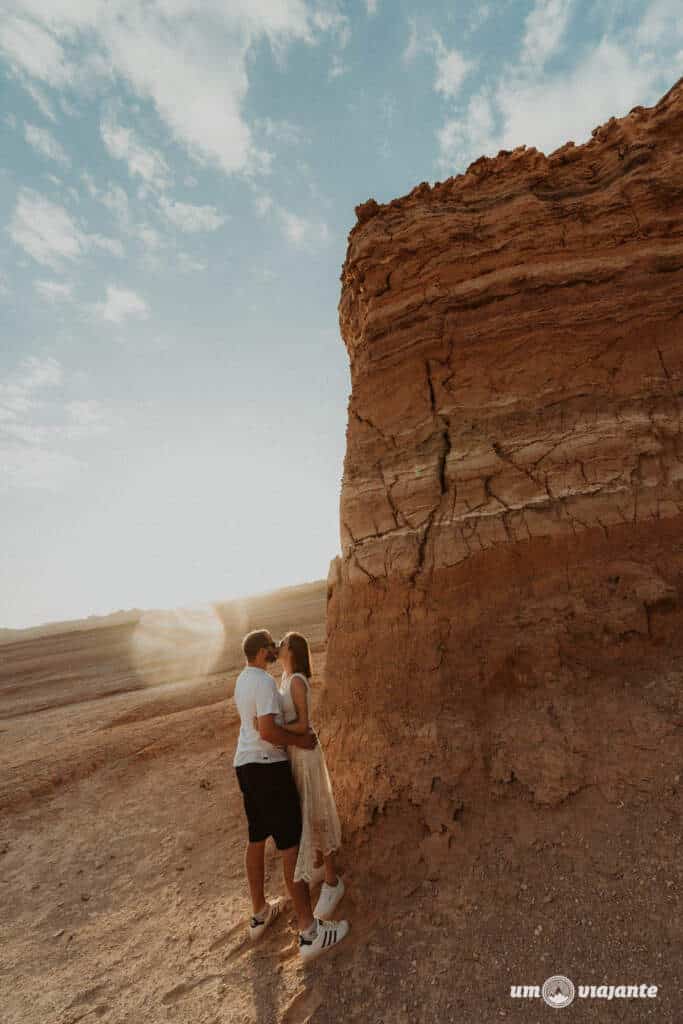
<point>271,801</point>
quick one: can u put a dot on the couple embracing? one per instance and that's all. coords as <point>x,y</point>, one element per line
<point>286,789</point>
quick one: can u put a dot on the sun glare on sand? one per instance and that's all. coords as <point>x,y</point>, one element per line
<point>184,643</point>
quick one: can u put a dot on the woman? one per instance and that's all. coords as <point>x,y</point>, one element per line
<point>321,832</point>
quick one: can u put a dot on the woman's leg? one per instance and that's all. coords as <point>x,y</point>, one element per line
<point>331,892</point>
<point>331,876</point>
<point>299,891</point>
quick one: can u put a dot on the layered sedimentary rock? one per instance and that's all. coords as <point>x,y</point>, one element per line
<point>511,507</point>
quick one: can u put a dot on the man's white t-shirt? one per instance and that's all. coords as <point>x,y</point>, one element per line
<point>256,694</point>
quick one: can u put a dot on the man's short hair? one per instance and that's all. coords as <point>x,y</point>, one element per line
<point>254,641</point>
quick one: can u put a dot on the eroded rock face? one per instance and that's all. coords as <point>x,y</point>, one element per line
<point>511,508</point>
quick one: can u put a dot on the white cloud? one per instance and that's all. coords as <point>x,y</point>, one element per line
<point>527,105</point>
<point>31,432</point>
<point>263,204</point>
<point>29,47</point>
<point>190,218</point>
<point>45,143</point>
<point>18,389</point>
<point>451,66</point>
<point>474,133</point>
<point>331,20</point>
<point>190,264</point>
<point>68,108</point>
<point>48,233</point>
<point>478,17</point>
<point>662,21</point>
<point>110,245</point>
<point>149,236</point>
<point>337,67</point>
<point>54,291</point>
<point>4,286</point>
<point>116,201</point>
<point>10,120</point>
<point>143,161</point>
<point>63,16</point>
<point>188,57</point>
<point>281,131</point>
<point>451,70</point>
<point>36,425</point>
<point>372,6</point>
<point>301,231</point>
<point>545,27</point>
<point>120,304</point>
<point>39,98</point>
<point>36,373</point>
<point>45,231</point>
<point>413,46</point>
<point>197,90</point>
<point>89,183</point>
<point>547,112</point>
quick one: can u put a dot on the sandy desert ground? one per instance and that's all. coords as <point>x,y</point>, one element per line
<point>121,846</point>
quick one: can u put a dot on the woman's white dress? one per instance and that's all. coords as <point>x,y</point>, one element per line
<point>321,829</point>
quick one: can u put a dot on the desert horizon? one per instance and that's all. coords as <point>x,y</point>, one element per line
<point>120,616</point>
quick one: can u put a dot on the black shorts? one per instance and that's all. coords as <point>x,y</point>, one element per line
<point>271,802</point>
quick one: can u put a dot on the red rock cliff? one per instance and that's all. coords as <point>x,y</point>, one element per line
<point>511,509</point>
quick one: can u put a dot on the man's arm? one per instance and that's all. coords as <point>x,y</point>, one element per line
<point>273,733</point>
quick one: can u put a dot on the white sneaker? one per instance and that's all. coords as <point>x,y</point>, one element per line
<point>330,933</point>
<point>330,895</point>
<point>256,927</point>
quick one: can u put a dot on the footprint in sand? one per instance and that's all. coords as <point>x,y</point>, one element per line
<point>88,996</point>
<point>302,1007</point>
<point>225,937</point>
<point>184,989</point>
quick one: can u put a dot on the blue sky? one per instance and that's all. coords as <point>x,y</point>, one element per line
<point>177,182</point>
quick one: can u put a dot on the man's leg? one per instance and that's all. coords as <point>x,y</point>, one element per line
<point>255,862</point>
<point>301,897</point>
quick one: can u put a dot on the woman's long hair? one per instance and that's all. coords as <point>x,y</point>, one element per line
<point>301,655</point>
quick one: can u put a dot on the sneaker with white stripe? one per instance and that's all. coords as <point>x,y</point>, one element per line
<point>329,935</point>
<point>257,927</point>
